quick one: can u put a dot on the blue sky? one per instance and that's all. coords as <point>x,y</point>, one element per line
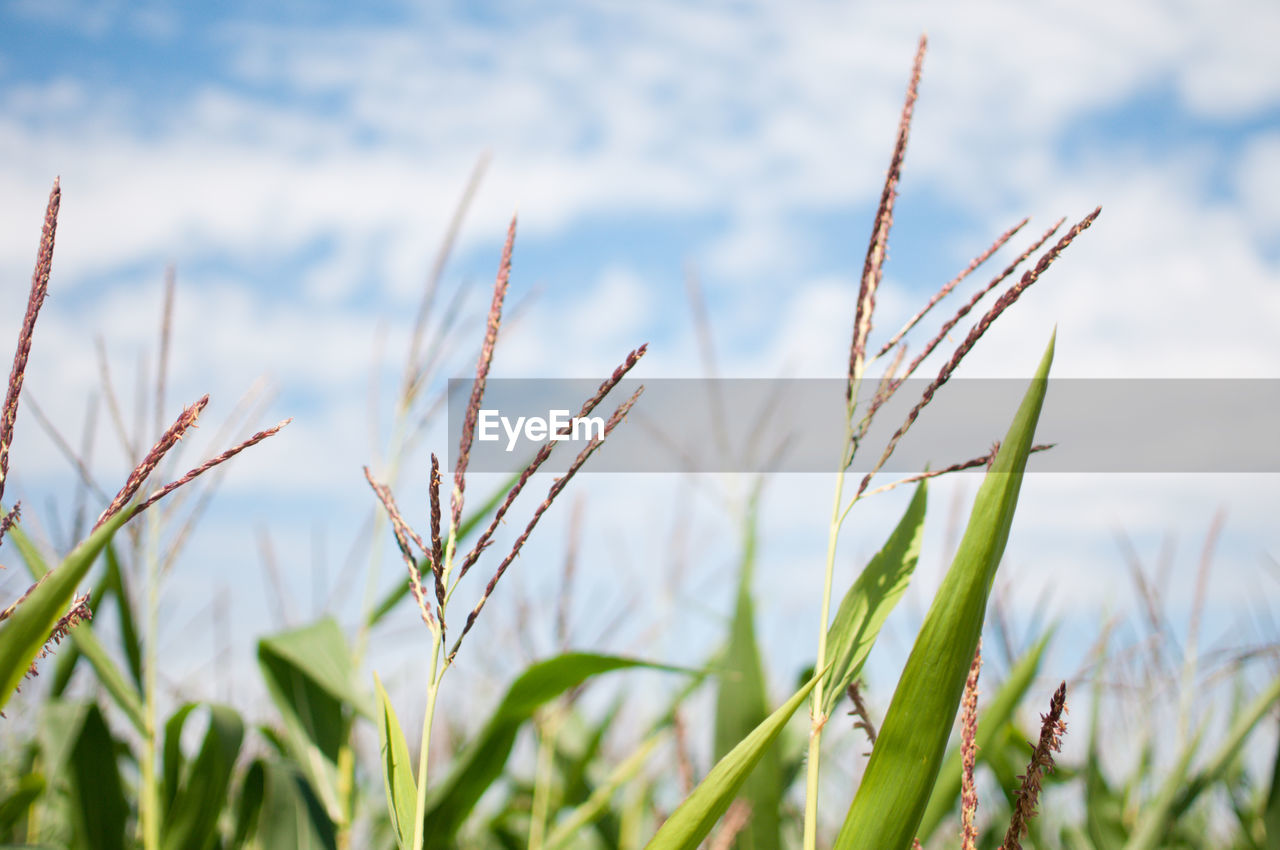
<point>298,163</point>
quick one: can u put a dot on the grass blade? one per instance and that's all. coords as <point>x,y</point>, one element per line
<point>485,757</point>
<point>397,768</point>
<point>310,678</point>
<point>85,641</point>
<point>24,634</point>
<point>100,803</point>
<point>742,704</point>
<point>873,595</point>
<point>595,804</point>
<point>191,821</point>
<point>692,821</point>
<point>994,719</point>
<point>899,779</point>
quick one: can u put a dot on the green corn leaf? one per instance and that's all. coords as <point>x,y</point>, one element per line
<point>742,703</point>
<point>85,641</point>
<point>692,821</point>
<point>171,759</point>
<point>997,715</point>
<point>100,804</point>
<point>397,769</point>
<point>596,804</point>
<point>78,754</point>
<point>26,791</point>
<point>25,632</point>
<point>287,813</point>
<point>483,760</point>
<point>311,680</point>
<point>248,804</point>
<point>67,660</point>
<point>199,794</point>
<point>873,595</point>
<point>899,779</point>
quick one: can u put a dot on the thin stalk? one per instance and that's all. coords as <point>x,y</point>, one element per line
<point>817,720</point>
<point>434,676</point>
<point>150,797</point>
<point>433,690</point>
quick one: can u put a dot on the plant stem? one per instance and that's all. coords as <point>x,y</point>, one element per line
<point>817,720</point>
<point>149,802</point>
<point>433,689</point>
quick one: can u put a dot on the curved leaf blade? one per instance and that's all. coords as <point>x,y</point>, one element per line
<point>26,631</point>
<point>995,718</point>
<point>742,703</point>
<point>899,779</point>
<point>482,762</point>
<point>871,598</point>
<point>397,769</point>
<point>192,818</point>
<point>692,821</point>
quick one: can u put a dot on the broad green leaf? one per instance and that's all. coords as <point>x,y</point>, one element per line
<point>483,760</point>
<point>25,632</point>
<point>100,804</point>
<point>78,754</point>
<point>904,764</point>
<point>198,797</point>
<point>692,821</point>
<point>397,769</point>
<point>598,802</point>
<point>289,814</point>
<point>29,788</point>
<point>742,703</point>
<point>248,804</point>
<point>309,674</point>
<point>465,529</point>
<point>171,759</point>
<point>869,600</point>
<point>85,643</point>
<point>67,660</point>
<point>994,718</point>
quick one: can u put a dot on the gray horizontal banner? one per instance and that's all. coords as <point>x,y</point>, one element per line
<point>749,425</point>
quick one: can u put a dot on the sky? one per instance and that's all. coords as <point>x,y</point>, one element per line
<point>298,164</point>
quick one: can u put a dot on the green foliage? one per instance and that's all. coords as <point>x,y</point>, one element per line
<point>742,703</point>
<point>84,642</point>
<point>871,598</point>
<point>894,791</point>
<point>994,721</point>
<point>397,768</point>
<point>310,676</point>
<point>485,756</point>
<point>196,790</point>
<point>26,631</point>
<point>693,820</point>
